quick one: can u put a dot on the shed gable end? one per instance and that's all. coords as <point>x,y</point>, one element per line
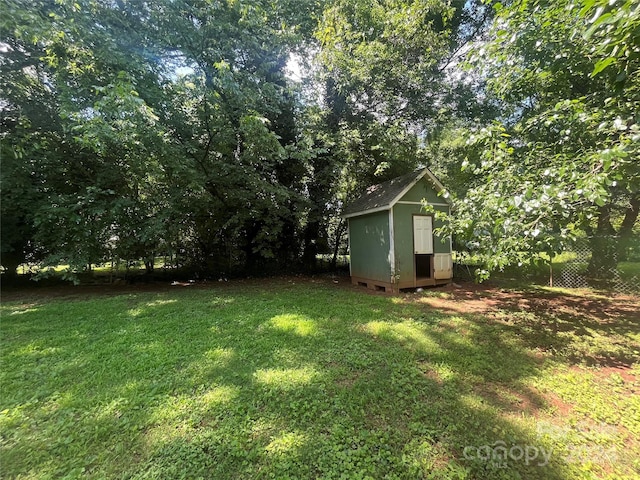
<point>385,195</point>
<point>423,189</point>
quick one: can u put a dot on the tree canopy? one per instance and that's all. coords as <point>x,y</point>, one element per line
<point>132,129</point>
<point>560,160</point>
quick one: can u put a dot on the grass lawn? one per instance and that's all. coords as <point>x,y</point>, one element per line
<point>303,378</point>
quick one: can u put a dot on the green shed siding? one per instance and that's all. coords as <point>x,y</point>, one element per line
<point>381,229</point>
<point>403,229</point>
<point>403,240</point>
<point>420,190</point>
<point>369,246</point>
<point>440,244</point>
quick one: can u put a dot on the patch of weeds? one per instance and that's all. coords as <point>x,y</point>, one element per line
<point>602,425</point>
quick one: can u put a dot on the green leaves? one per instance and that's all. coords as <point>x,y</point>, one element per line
<point>389,55</point>
<point>204,162</point>
<point>560,154</point>
<point>602,64</point>
<point>614,35</point>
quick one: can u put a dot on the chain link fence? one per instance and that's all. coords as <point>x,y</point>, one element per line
<point>604,263</point>
<point>600,263</point>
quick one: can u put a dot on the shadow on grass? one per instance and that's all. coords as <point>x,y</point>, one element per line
<point>592,331</point>
<point>260,383</point>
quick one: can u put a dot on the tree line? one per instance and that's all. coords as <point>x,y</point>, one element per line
<point>132,129</point>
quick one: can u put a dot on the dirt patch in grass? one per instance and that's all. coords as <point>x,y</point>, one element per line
<point>587,329</point>
<point>560,408</point>
<point>624,379</point>
<point>516,400</point>
<point>481,299</point>
<point>624,372</point>
<point>434,376</point>
<point>348,380</point>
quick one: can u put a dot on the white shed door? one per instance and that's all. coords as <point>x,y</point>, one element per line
<point>422,235</point>
<point>443,266</point>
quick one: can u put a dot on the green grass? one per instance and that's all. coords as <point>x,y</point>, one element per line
<point>629,269</point>
<point>312,380</point>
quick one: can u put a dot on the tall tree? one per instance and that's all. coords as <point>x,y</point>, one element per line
<point>168,123</point>
<point>561,158</point>
<point>387,86</point>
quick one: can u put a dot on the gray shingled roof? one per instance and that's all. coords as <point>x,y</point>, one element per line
<point>381,195</point>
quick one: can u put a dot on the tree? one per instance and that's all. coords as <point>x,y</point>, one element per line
<point>232,116</point>
<point>170,124</point>
<point>561,159</point>
<point>390,58</point>
<point>29,125</point>
<point>83,135</point>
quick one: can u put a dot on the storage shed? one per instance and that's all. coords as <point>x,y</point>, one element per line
<point>391,239</point>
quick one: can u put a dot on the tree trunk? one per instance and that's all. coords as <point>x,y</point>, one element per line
<point>336,247</point>
<point>626,229</point>
<point>11,262</point>
<point>310,250</point>
<point>604,246</point>
<point>251,258</point>
<point>149,265</point>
